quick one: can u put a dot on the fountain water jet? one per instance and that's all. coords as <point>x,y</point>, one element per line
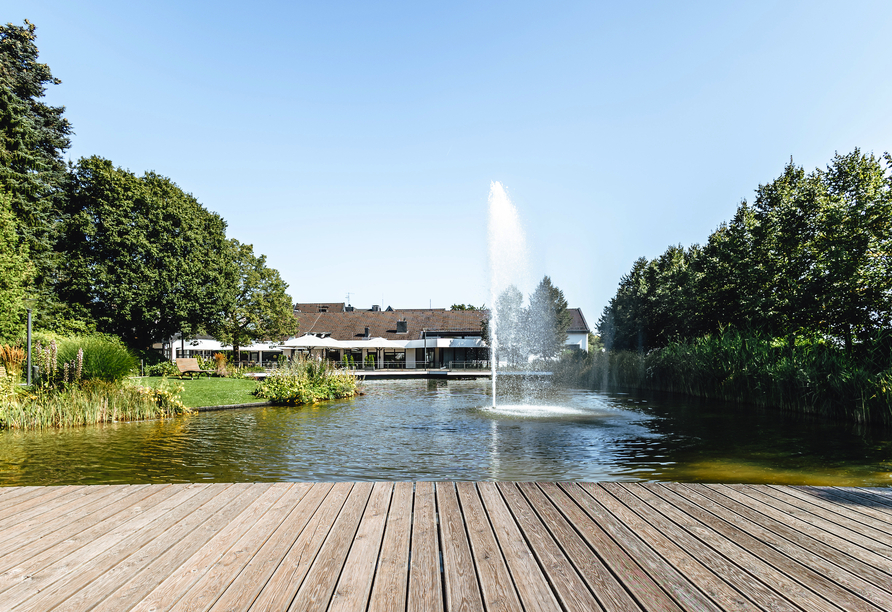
<point>507,268</point>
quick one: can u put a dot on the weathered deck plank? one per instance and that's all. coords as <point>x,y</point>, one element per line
<point>703,566</point>
<point>808,584</point>
<point>392,578</point>
<point>425,586</point>
<point>467,546</point>
<point>462,588</point>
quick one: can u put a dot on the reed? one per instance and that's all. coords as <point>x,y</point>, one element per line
<point>12,358</point>
<point>304,381</point>
<point>811,376</point>
<point>88,403</point>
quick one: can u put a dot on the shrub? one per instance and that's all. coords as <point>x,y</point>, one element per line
<point>304,381</point>
<point>91,402</point>
<point>220,364</point>
<point>810,375</point>
<point>12,358</point>
<point>164,368</point>
<point>104,357</point>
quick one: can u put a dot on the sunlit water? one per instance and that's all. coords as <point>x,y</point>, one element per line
<point>434,430</point>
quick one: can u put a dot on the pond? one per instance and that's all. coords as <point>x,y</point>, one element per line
<point>438,430</point>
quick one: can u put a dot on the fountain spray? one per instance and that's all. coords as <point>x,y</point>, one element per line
<point>507,264</point>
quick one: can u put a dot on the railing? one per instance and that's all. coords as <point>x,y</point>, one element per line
<point>477,364</point>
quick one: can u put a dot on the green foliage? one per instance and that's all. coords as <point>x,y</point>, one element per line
<point>812,375</point>
<point>304,381</point>
<point>33,139</point>
<point>62,360</point>
<point>104,357</point>
<point>812,256</point>
<point>142,256</point>
<point>162,368</point>
<point>539,328</point>
<point>255,307</point>
<point>15,273</point>
<point>466,307</point>
<point>89,403</point>
<point>547,320</point>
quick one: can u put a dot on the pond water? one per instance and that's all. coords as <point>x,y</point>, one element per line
<point>437,430</point>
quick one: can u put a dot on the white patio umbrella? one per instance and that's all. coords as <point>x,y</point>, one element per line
<point>309,342</point>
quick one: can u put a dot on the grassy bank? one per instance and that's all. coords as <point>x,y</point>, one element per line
<point>88,403</point>
<point>812,376</point>
<point>210,391</point>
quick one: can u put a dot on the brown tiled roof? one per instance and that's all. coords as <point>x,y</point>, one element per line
<point>351,325</point>
<point>315,306</point>
<point>578,326</point>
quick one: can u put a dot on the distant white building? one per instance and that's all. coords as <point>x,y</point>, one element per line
<point>405,338</point>
<point>577,333</point>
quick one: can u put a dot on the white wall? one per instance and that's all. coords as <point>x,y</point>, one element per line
<point>580,340</point>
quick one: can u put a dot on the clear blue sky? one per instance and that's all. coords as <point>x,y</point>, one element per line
<point>354,143</point>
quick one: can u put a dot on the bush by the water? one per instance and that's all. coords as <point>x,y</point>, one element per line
<point>86,403</point>
<point>163,368</point>
<point>104,357</point>
<point>811,375</point>
<point>304,381</point>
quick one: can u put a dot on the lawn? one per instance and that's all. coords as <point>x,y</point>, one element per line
<point>210,391</point>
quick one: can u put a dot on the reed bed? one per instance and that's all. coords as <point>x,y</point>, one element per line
<point>812,376</point>
<point>87,403</point>
<point>304,381</point>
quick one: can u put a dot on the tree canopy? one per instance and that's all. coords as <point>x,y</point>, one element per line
<point>143,259</point>
<point>812,255</point>
<point>33,138</point>
<point>537,329</point>
<point>255,306</point>
<point>15,270</point>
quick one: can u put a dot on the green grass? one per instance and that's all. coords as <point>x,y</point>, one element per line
<point>211,391</point>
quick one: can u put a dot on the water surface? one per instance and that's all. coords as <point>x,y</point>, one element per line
<point>434,430</point>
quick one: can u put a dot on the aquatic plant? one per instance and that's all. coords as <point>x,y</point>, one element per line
<point>812,375</point>
<point>90,402</point>
<point>304,381</point>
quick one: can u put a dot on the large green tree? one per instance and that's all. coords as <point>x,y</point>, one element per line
<point>547,320</point>
<point>812,256</point>
<point>143,259</point>
<point>33,138</point>
<point>256,306</point>
<point>15,270</point>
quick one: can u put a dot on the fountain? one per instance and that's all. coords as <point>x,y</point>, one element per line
<point>509,333</point>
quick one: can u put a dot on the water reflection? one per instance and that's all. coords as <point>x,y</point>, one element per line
<point>433,430</point>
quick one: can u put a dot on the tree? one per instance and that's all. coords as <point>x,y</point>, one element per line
<point>547,320</point>
<point>622,323</point>
<point>810,257</point>
<point>463,307</point>
<point>257,307</point>
<point>33,138</point>
<point>507,324</point>
<point>15,272</point>
<point>854,242</point>
<point>143,259</point>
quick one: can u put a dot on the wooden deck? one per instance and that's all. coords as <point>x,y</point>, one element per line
<point>445,546</point>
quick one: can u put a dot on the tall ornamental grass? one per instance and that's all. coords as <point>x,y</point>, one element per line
<point>87,403</point>
<point>813,375</point>
<point>304,381</point>
<point>104,358</point>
